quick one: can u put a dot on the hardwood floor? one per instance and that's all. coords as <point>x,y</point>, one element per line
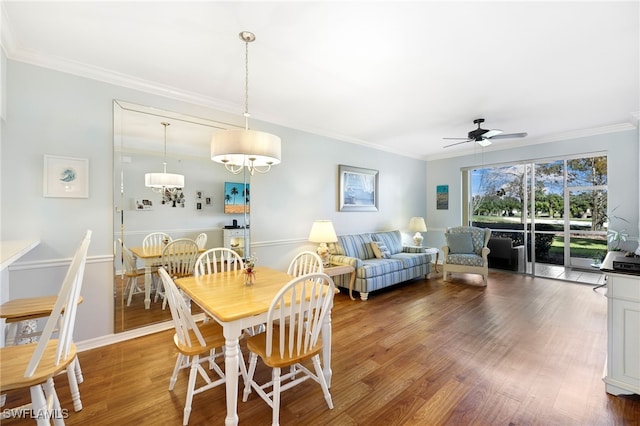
<point>521,351</point>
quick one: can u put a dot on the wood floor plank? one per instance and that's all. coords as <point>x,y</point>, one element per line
<point>520,351</point>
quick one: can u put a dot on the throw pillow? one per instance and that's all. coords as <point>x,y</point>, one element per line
<point>459,243</point>
<point>380,250</point>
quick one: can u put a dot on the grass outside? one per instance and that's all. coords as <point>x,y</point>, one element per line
<point>589,248</point>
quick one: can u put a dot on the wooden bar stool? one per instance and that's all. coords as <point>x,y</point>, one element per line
<point>20,316</point>
<point>20,311</point>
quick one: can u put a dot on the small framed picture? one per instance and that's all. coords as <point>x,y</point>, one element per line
<point>144,205</point>
<point>66,177</point>
<point>198,205</point>
<point>199,195</point>
<point>207,201</point>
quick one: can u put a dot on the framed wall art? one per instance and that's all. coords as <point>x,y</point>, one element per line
<point>442,197</point>
<point>236,196</point>
<point>66,177</point>
<point>358,189</point>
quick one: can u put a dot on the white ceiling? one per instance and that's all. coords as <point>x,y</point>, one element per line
<point>394,75</point>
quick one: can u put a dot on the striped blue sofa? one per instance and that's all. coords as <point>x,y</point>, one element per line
<point>373,272</point>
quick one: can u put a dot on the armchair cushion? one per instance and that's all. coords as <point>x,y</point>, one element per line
<point>460,243</point>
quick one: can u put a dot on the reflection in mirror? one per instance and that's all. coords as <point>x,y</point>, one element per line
<point>198,208</point>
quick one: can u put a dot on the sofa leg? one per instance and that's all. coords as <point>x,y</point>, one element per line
<point>484,278</point>
<point>364,296</point>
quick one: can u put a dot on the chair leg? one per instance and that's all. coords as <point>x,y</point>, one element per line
<point>253,359</point>
<point>39,405</point>
<point>193,373</point>
<point>56,409</point>
<point>132,286</point>
<point>275,397</point>
<point>176,368</point>
<point>78,371</point>
<point>73,385</point>
<point>323,381</point>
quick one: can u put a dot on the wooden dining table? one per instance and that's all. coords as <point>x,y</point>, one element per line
<point>226,298</point>
<point>151,256</point>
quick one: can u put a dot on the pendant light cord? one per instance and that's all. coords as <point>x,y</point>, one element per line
<point>246,84</point>
<point>164,163</point>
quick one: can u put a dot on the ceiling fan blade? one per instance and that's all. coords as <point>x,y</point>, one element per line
<point>457,143</point>
<point>459,139</point>
<point>491,133</point>
<point>509,135</point>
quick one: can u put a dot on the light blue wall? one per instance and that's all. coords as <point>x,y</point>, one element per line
<point>621,149</point>
<point>50,112</point>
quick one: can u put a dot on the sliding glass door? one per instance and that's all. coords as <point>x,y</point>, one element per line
<point>554,208</point>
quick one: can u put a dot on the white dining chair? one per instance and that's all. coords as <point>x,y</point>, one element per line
<point>201,240</point>
<point>196,344</point>
<point>131,273</point>
<point>179,260</point>
<point>157,239</point>
<point>33,365</point>
<point>305,262</point>
<point>218,259</point>
<point>302,304</point>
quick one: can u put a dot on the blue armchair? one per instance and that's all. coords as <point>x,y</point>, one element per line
<point>466,251</point>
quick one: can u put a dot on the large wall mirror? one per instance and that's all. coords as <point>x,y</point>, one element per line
<point>198,208</point>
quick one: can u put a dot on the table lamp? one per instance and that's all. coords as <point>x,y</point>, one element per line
<point>322,232</point>
<point>417,225</point>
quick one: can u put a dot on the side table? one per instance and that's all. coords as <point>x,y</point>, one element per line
<point>433,251</point>
<point>334,270</point>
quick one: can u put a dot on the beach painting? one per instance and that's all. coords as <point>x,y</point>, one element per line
<point>236,197</point>
<point>358,189</point>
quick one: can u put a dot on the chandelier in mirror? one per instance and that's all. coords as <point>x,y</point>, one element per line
<point>240,148</point>
<point>164,182</point>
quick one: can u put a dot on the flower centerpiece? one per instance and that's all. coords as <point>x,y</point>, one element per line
<point>249,270</point>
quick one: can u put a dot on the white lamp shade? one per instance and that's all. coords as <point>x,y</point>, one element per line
<point>322,232</point>
<point>163,180</point>
<point>416,224</point>
<point>240,147</point>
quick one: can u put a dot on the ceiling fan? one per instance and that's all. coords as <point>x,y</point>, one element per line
<point>483,136</point>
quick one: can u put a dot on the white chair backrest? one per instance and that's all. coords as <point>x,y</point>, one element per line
<point>201,240</point>
<point>180,312</point>
<point>179,257</point>
<point>68,302</point>
<point>306,262</point>
<point>218,259</point>
<point>156,239</point>
<point>129,261</point>
<point>303,304</point>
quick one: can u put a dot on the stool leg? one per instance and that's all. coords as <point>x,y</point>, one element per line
<point>73,385</point>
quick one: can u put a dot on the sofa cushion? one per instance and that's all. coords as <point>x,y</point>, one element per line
<point>392,239</point>
<point>459,243</point>
<point>356,245</point>
<point>413,259</point>
<point>377,267</point>
<point>380,250</point>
